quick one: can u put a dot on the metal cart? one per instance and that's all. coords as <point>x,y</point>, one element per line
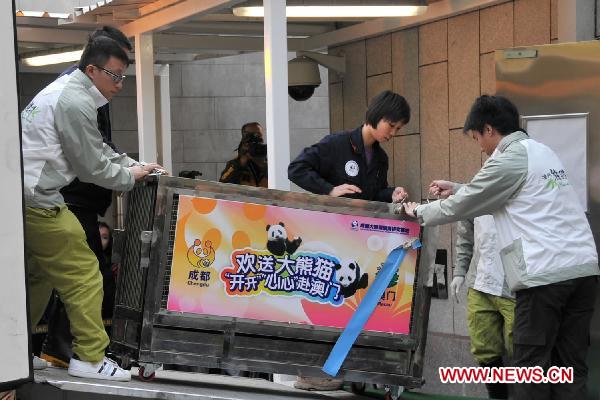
<point>147,329</point>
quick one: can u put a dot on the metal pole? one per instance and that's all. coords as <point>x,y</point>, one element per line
<point>146,106</point>
<point>165,119</point>
<point>276,82</point>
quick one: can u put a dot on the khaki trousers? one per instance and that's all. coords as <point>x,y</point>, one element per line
<point>490,322</point>
<point>59,257</point>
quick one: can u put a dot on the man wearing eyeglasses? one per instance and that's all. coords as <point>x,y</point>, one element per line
<point>61,141</point>
<point>87,201</point>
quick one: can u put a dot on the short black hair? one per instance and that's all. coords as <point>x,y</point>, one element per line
<point>250,127</point>
<point>389,106</point>
<point>102,224</point>
<point>114,34</point>
<point>496,111</point>
<point>99,50</point>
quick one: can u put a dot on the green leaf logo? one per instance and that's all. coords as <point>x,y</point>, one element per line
<point>552,184</point>
<point>30,112</point>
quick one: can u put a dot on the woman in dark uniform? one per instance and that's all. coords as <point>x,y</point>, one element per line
<point>352,163</point>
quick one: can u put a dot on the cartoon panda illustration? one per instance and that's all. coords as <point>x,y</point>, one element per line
<point>201,255</point>
<point>349,277</point>
<point>278,242</point>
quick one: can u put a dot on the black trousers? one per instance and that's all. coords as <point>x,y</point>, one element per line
<point>59,338</point>
<point>552,328</point>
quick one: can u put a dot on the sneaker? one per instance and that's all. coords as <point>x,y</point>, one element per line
<point>106,369</point>
<point>39,364</point>
<point>54,361</point>
<point>319,384</point>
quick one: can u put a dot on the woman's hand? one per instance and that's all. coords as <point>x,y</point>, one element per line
<point>344,189</point>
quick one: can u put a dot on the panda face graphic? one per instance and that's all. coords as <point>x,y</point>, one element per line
<point>350,278</point>
<point>346,275</point>
<point>276,232</point>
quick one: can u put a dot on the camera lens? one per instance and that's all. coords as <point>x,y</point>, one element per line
<point>301,93</point>
<point>258,149</point>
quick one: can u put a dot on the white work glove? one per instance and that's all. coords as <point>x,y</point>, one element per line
<point>455,286</point>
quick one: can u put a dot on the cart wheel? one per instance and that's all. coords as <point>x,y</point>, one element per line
<point>358,387</point>
<point>393,392</point>
<point>144,377</point>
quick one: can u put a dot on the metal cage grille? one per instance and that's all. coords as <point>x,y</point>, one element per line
<point>170,245</point>
<point>139,217</point>
<point>144,331</point>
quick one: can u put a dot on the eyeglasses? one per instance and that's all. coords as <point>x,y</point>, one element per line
<point>115,78</point>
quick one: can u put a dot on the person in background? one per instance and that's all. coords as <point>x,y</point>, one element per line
<point>352,164</point>
<point>86,201</point>
<point>546,244</point>
<point>61,141</point>
<point>490,303</point>
<point>109,272</point>
<point>105,240</point>
<point>250,166</point>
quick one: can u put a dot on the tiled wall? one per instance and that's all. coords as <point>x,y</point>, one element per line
<point>440,67</point>
<point>210,101</point>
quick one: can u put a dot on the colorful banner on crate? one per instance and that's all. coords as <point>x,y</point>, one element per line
<point>274,263</point>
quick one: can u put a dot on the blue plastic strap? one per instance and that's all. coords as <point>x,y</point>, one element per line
<point>365,309</point>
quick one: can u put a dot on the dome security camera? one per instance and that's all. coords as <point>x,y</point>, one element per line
<point>303,78</point>
<point>303,72</point>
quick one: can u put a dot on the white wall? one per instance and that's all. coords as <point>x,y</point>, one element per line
<point>14,335</point>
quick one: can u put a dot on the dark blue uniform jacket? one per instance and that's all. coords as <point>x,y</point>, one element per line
<point>334,161</point>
